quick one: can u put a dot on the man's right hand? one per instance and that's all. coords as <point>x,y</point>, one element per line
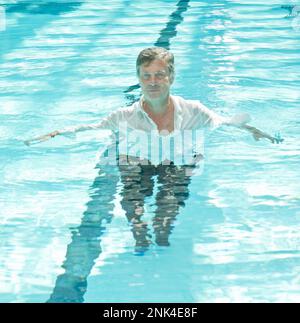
<point>41,138</point>
<point>258,134</point>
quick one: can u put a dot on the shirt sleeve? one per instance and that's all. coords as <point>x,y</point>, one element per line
<point>204,117</point>
<point>108,123</point>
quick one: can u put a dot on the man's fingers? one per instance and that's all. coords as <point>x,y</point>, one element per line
<point>257,135</point>
<point>54,133</point>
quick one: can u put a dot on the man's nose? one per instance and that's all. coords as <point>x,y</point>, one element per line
<point>153,79</point>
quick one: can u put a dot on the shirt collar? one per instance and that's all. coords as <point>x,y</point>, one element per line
<point>144,113</point>
<point>177,112</point>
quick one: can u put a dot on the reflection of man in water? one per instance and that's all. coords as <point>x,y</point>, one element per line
<point>138,184</point>
<point>156,111</point>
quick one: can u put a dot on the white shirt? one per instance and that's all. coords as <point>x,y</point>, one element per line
<point>138,135</point>
<point>188,114</point>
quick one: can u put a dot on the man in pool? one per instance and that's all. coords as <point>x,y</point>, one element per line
<point>163,113</point>
<point>157,109</point>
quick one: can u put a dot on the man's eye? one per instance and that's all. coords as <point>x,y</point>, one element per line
<point>160,75</point>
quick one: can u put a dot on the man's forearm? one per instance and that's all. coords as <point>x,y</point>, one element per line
<point>65,131</point>
<point>258,134</point>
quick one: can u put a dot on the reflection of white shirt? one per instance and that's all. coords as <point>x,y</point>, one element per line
<point>138,134</point>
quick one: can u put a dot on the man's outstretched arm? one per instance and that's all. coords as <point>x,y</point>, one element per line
<point>108,123</point>
<point>41,138</point>
<point>70,130</point>
<point>241,121</point>
<point>258,134</point>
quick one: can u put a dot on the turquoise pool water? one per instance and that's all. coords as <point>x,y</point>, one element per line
<point>71,62</point>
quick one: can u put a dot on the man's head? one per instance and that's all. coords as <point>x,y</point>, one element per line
<point>148,55</point>
<point>155,70</point>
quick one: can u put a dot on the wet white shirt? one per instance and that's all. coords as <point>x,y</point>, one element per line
<point>188,114</point>
<point>138,135</point>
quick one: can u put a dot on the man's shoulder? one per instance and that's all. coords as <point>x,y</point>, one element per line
<point>183,100</point>
<point>124,113</point>
<point>126,110</point>
<point>187,104</point>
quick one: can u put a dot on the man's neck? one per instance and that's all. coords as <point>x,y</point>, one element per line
<point>158,107</point>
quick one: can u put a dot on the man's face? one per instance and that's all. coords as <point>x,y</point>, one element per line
<point>155,80</point>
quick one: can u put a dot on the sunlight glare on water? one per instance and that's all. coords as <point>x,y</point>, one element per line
<point>67,63</point>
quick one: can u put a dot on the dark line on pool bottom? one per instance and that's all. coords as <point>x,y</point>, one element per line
<point>85,246</point>
<point>166,35</point>
<point>138,184</point>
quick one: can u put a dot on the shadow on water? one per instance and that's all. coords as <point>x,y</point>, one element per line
<point>44,8</point>
<point>137,181</point>
<point>31,20</point>
<point>28,27</point>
